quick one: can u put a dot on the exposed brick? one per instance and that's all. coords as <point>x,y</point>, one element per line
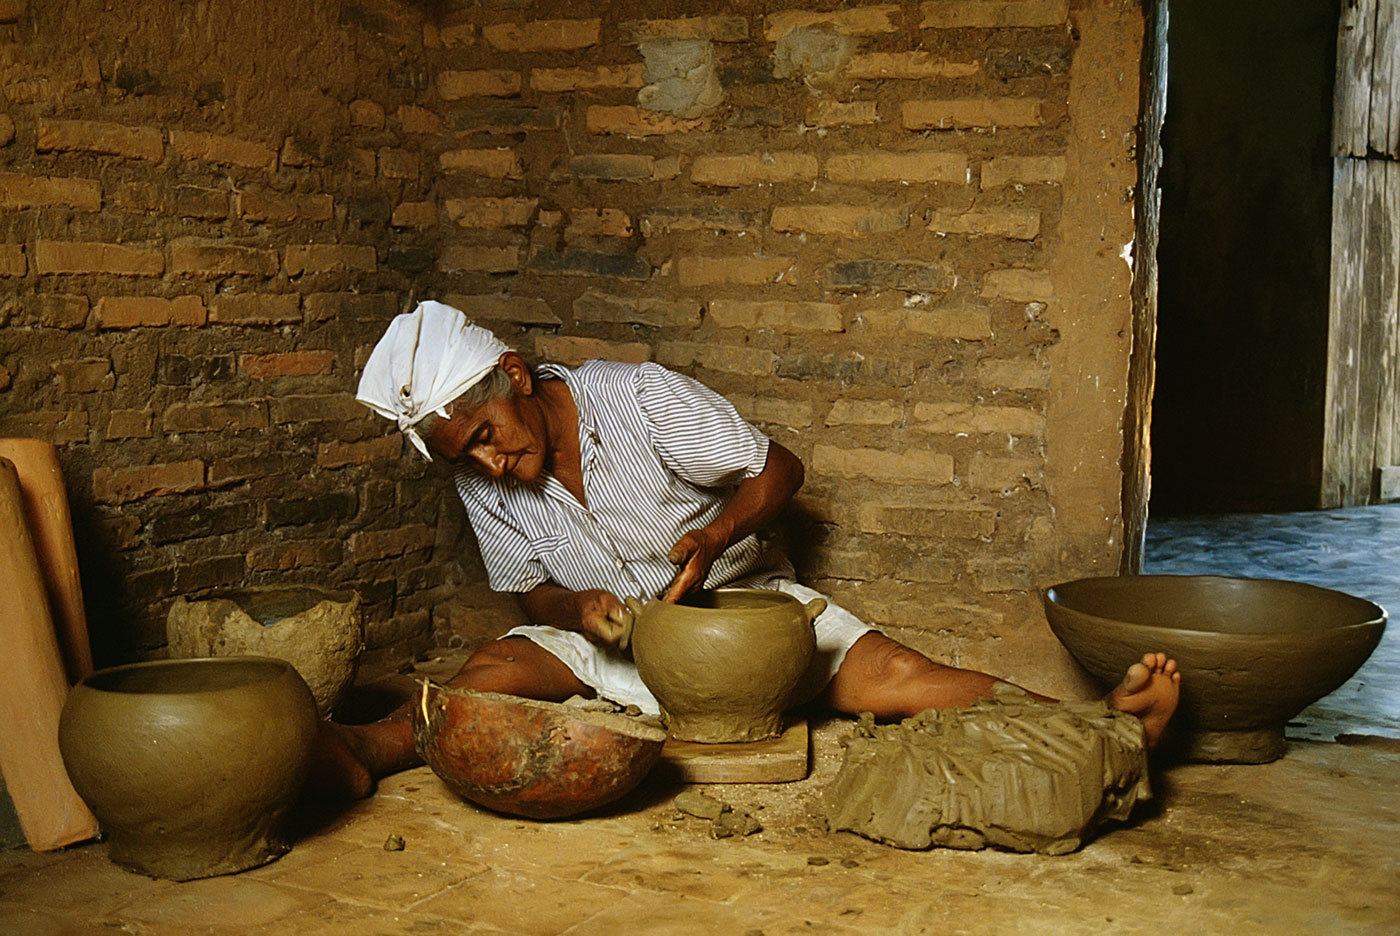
<point>613,166</point>
<point>994,222</point>
<point>775,411</point>
<point>343,454</point>
<point>214,258</point>
<point>455,85</point>
<point>415,119</point>
<point>968,324</point>
<point>734,360</point>
<point>369,545</point>
<point>921,467</point>
<point>840,114</point>
<point>1018,285</point>
<point>916,519</point>
<point>586,79</point>
<point>457,34</point>
<point>284,206</point>
<point>713,28</point>
<point>215,417</point>
<point>149,311</point>
<point>227,471</point>
<point>24,191</point>
<point>491,212</point>
<point>1013,374</point>
<point>594,306</point>
<point>589,263</point>
<point>224,150</point>
<point>732,271</point>
<point>209,573</point>
<point>492,163</point>
<point>86,376</point>
<point>1022,170</point>
<point>733,171</point>
<point>397,630</point>
<point>92,136</point>
<point>120,485</point>
<point>56,311</point>
<point>467,258</point>
<point>421,214</point>
<point>908,65</point>
<point>697,218</point>
<point>525,311</point>
<point>209,520</point>
<point>398,163</point>
<point>848,367</point>
<point>192,201</point>
<point>12,260</point>
<point>626,120</point>
<point>300,554</point>
<point>128,424</point>
<point>89,257</point>
<point>543,35</point>
<point>599,222</point>
<point>330,407</point>
<point>847,412</point>
<point>952,14</point>
<point>254,309</point>
<point>847,220</point>
<point>285,364</point>
<point>572,350</point>
<point>866,20</point>
<point>329,258</point>
<point>1002,474</point>
<point>178,370</point>
<point>965,113</point>
<point>58,427</point>
<point>776,315</point>
<point>962,417</point>
<point>362,162</point>
<point>880,166</point>
<point>892,274</point>
<point>367,307</point>
<point>337,505</point>
<point>366,113</point>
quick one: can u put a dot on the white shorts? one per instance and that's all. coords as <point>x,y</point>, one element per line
<point>614,677</point>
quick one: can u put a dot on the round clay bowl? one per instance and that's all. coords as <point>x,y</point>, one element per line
<point>190,765</point>
<point>1253,652</point>
<point>529,758</point>
<point>723,664</point>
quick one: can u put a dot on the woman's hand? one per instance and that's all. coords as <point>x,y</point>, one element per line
<point>694,553</point>
<point>602,617</point>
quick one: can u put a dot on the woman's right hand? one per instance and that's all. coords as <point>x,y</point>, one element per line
<point>602,617</point>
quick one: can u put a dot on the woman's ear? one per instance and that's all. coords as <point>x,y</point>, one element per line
<point>518,372</point>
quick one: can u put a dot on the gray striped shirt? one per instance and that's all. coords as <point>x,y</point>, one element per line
<point>661,453</point>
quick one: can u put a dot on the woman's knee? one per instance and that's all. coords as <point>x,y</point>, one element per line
<point>518,666</point>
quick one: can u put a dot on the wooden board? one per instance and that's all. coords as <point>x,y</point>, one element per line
<point>780,760</point>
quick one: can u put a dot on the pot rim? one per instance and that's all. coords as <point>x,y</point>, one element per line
<point>270,664</point>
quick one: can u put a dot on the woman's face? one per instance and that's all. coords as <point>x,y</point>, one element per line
<point>504,437</point>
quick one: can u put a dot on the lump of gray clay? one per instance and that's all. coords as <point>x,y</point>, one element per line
<point>1007,772</point>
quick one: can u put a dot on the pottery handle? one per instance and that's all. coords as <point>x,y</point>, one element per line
<point>629,621</point>
<point>814,609</point>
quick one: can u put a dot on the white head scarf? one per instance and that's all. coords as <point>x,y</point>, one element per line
<point>426,359</point>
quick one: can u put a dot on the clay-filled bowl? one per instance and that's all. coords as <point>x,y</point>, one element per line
<point>190,765</point>
<point>1253,652</point>
<point>723,664</point>
<point>530,758</point>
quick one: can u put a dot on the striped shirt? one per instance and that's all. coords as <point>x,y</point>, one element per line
<point>661,455</point>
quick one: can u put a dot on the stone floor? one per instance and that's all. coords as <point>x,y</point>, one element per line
<point>1307,844</point>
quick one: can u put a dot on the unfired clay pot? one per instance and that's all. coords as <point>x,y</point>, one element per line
<point>1253,652</point>
<point>317,630</point>
<point>190,765</point>
<point>530,758</point>
<point>723,664</point>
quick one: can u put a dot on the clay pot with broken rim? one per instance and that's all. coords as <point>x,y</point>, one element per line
<point>723,664</point>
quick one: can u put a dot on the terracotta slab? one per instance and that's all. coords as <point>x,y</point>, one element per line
<point>777,761</point>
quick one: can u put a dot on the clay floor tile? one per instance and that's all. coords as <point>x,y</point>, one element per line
<point>85,883</point>
<point>528,903</point>
<point>337,918</point>
<point>214,906</point>
<point>390,880</point>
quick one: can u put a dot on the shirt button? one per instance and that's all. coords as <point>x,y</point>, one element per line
<point>619,563</point>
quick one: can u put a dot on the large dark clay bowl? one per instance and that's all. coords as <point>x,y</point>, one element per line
<point>528,758</point>
<point>1252,652</point>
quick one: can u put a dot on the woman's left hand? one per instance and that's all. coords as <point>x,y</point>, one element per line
<point>694,553</point>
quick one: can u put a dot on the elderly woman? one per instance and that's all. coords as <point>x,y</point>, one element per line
<point>590,484</point>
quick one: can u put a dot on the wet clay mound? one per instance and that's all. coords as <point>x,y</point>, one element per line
<point>1009,773</point>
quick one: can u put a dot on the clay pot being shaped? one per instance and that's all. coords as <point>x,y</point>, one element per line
<point>317,630</point>
<point>190,765</point>
<point>723,664</point>
<point>1252,652</point>
<point>530,758</point>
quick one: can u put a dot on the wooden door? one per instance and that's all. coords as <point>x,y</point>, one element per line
<point>1361,444</point>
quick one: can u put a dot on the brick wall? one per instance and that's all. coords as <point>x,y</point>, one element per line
<point>890,233</point>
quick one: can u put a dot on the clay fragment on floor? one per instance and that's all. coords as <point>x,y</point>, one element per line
<point>1007,772</point>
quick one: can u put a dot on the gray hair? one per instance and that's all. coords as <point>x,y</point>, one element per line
<point>495,385</point>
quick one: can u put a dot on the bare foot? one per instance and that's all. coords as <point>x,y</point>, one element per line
<point>339,768</point>
<point>1149,690</point>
